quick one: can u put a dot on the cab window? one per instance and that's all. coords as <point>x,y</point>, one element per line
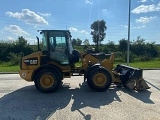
<point>58,47</point>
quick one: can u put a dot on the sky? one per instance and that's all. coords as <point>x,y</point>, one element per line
<point>25,17</point>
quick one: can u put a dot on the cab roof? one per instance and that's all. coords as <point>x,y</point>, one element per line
<point>53,30</point>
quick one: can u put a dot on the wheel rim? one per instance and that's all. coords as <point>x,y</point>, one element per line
<point>47,81</point>
<point>100,79</point>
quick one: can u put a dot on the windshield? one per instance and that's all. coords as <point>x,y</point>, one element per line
<point>44,42</point>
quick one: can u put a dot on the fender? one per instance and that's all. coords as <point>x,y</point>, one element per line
<point>89,69</point>
<point>48,67</point>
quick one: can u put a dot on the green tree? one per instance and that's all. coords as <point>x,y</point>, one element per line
<point>12,50</point>
<point>111,46</point>
<point>122,45</point>
<point>79,42</point>
<point>5,49</point>
<point>145,51</point>
<point>138,46</point>
<point>86,42</point>
<point>76,42</point>
<point>98,32</point>
<point>22,46</point>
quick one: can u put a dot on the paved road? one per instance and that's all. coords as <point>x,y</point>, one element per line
<point>19,100</point>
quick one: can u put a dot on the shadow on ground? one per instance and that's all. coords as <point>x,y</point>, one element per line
<point>27,103</point>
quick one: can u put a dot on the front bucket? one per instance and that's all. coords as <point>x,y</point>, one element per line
<point>131,77</point>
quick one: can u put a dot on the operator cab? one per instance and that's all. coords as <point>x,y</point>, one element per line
<point>57,45</point>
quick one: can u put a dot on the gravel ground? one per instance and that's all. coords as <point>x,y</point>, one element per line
<point>19,100</point>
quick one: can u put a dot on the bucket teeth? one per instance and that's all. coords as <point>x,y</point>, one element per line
<point>141,84</point>
<point>131,84</point>
<point>137,84</point>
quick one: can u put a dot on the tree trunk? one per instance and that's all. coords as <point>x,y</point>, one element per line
<point>97,45</point>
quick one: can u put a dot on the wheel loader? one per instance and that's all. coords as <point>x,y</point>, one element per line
<point>56,60</point>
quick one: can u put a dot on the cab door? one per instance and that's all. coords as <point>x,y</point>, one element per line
<point>58,47</point>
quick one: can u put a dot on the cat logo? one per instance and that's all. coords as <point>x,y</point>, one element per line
<point>33,62</point>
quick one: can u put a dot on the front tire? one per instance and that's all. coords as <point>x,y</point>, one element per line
<point>99,79</point>
<point>47,81</point>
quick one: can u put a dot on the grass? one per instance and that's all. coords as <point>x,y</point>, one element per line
<point>145,65</point>
<point>6,67</point>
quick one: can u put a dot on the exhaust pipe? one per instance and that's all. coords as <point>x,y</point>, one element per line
<point>131,77</point>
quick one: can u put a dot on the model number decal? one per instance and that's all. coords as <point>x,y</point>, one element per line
<point>31,61</point>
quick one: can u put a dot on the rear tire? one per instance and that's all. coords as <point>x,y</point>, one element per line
<point>47,81</point>
<point>99,79</point>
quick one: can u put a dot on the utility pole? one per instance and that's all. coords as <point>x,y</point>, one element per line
<point>128,44</point>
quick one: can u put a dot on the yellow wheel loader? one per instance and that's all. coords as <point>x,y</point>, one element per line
<point>56,61</point>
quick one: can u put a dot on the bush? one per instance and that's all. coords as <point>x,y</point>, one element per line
<point>119,57</point>
<point>8,50</point>
<point>122,57</point>
<point>140,48</point>
<point>14,58</point>
<point>132,57</point>
<point>104,49</point>
<point>145,57</point>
